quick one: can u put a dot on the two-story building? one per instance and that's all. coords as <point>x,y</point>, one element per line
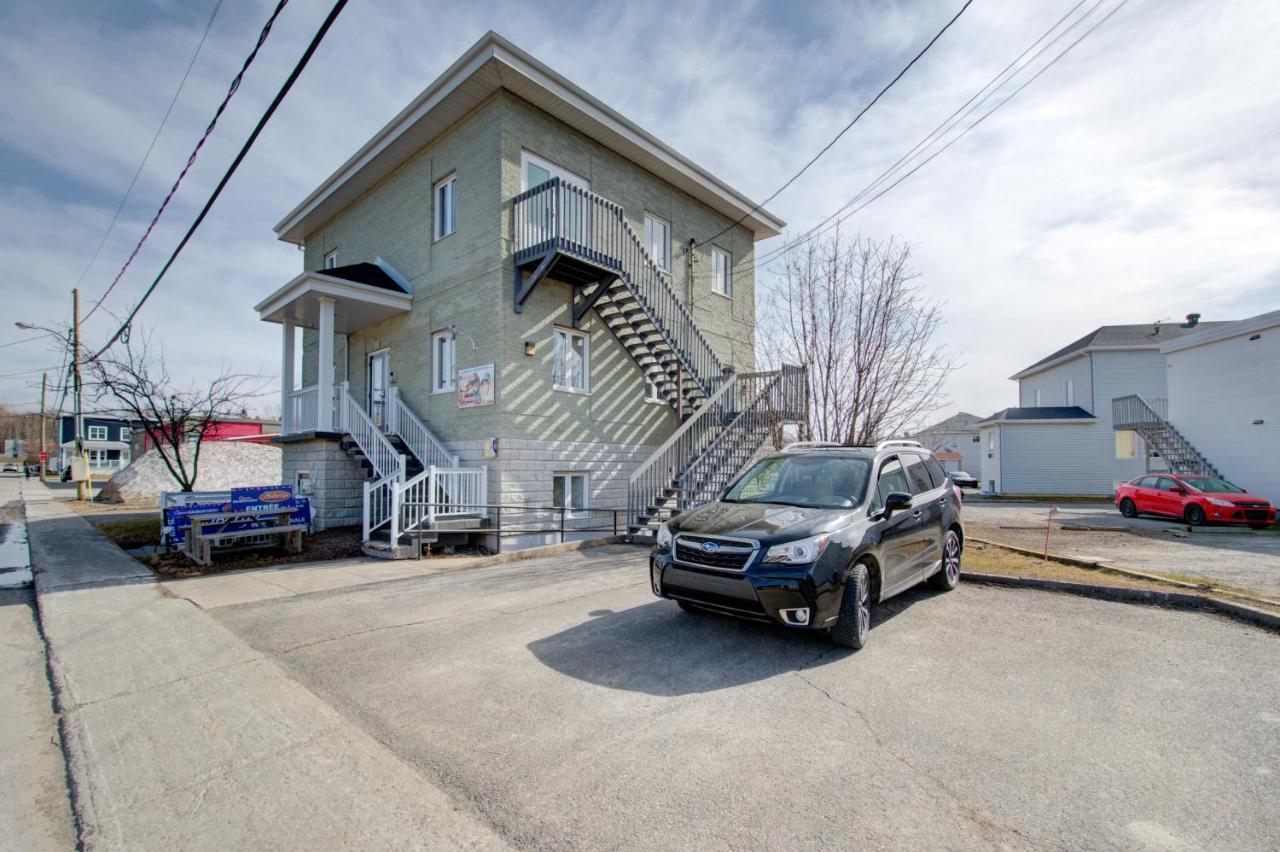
<point>955,441</point>
<point>108,442</point>
<point>1063,436</point>
<point>513,294</point>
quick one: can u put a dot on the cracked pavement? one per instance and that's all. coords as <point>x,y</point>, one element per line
<point>559,704</point>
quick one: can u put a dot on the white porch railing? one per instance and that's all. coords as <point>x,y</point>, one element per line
<point>415,433</point>
<point>377,449</point>
<point>441,492</point>
<point>380,506</point>
<point>304,411</point>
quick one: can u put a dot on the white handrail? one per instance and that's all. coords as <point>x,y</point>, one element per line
<point>375,446</point>
<point>425,445</point>
<point>442,492</point>
<point>378,504</point>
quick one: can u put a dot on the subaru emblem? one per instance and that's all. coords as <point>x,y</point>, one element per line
<point>710,547</point>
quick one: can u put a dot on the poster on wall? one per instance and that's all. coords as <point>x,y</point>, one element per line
<point>475,386</point>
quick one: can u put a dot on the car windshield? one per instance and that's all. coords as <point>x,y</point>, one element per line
<point>823,482</point>
<point>1212,485</point>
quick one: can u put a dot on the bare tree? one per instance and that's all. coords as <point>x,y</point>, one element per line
<point>132,381</point>
<point>852,312</point>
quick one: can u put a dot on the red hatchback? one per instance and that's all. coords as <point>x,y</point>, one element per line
<point>1194,498</point>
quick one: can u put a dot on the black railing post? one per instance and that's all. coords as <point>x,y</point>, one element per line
<point>562,524</point>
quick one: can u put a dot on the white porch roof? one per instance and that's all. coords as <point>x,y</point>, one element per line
<point>355,305</point>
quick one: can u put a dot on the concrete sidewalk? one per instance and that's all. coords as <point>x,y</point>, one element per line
<point>179,735</point>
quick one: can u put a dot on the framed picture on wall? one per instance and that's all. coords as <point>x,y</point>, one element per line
<point>475,386</point>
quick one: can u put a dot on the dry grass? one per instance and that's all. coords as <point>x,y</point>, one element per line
<point>139,532</point>
<point>341,543</point>
<point>990,559</point>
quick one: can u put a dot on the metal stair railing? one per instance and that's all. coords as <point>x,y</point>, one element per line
<point>560,216</point>
<point>1149,418</point>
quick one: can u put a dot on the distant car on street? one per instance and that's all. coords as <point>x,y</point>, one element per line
<point>1194,498</point>
<point>963,479</point>
<point>10,467</point>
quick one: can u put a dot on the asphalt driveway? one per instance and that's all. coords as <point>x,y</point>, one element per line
<point>1237,557</point>
<point>564,706</point>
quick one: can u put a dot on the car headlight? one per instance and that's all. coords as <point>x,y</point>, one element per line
<point>664,537</point>
<point>798,552</point>
<point>1218,501</point>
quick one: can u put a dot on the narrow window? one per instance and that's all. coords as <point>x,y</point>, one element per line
<point>721,280</point>
<point>1037,397</point>
<point>442,363</point>
<point>1069,391</point>
<point>657,241</point>
<point>569,492</point>
<point>446,207</point>
<point>651,391</point>
<point>331,259</point>
<point>991,441</point>
<point>1126,445</point>
<point>571,361</point>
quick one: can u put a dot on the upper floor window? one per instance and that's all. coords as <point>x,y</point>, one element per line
<point>331,259</point>
<point>535,171</point>
<point>721,279</point>
<point>651,391</point>
<point>657,241</point>
<point>572,361</point>
<point>442,361</point>
<point>446,207</point>
<point>1037,397</point>
<point>97,433</point>
<point>125,433</point>
<point>1069,392</point>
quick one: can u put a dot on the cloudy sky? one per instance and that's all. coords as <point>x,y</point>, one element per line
<point>1135,181</point>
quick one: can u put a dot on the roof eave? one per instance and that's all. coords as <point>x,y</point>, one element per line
<point>494,48</point>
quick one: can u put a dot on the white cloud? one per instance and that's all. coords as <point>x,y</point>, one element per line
<point>1134,181</point>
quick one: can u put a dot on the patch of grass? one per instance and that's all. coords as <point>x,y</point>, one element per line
<point>134,533</point>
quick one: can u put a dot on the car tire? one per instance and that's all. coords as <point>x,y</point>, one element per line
<point>948,576</point>
<point>1128,508</point>
<point>1194,515</point>
<point>854,624</point>
<point>692,609</point>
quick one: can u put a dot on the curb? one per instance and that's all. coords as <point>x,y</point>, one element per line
<point>1149,597</point>
<point>1091,564</point>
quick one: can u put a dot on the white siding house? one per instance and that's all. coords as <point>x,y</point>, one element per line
<point>1060,439</point>
<point>1224,395</point>
<point>957,441</point>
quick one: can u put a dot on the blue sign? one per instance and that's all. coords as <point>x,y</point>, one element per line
<point>261,494</point>
<point>177,519</point>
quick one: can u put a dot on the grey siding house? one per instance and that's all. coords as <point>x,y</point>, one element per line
<point>497,308</point>
<point>956,442</point>
<point>1068,435</point>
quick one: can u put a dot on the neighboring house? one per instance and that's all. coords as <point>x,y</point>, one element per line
<point>1061,438</point>
<point>1224,397</point>
<point>108,442</point>
<point>497,308</point>
<point>956,443</point>
<point>250,429</point>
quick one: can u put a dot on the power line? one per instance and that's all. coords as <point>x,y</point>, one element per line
<point>231,170</point>
<point>235,85</point>
<point>827,224</point>
<point>146,156</point>
<point>843,131</point>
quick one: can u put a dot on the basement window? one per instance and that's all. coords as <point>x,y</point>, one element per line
<point>569,492</point>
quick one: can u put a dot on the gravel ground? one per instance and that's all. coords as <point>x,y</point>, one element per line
<point>1244,559</point>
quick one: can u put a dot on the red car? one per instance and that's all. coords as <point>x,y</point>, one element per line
<point>1194,498</point>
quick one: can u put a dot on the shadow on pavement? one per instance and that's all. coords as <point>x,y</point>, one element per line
<point>658,649</point>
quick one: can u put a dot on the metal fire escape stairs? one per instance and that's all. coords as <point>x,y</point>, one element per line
<point>1149,418</point>
<point>582,239</point>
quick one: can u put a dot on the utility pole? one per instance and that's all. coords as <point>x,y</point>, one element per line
<point>75,365</point>
<point>44,378</point>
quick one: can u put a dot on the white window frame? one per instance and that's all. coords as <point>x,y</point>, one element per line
<point>443,370</point>
<point>721,272</point>
<point>97,433</point>
<point>651,391</point>
<point>1037,393</point>
<point>527,157</point>
<point>662,257</point>
<point>1069,391</point>
<point>445,221</point>
<point>568,334</point>
<point>331,259</point>
<point>567,489</point>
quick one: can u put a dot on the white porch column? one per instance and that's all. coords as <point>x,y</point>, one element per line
<point>286,379</point>
<point>325,367</point>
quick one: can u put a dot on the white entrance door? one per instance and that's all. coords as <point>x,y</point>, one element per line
<point>379,379</point>
<point>575,210</point>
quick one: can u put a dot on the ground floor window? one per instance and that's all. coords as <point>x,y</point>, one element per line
<point>1126,444</point>
<point>569,491</point>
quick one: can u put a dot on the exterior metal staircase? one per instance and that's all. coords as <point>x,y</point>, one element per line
<point>1149,418</point>
<point>709,449</point>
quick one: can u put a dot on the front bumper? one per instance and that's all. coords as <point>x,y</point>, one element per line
<point>786,594</point>
<point>1240,515</point>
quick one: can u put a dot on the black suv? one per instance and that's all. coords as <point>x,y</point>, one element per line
<point>813,535</point>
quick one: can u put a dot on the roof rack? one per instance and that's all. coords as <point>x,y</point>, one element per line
<point>809,445</point>
<point>899,442</point>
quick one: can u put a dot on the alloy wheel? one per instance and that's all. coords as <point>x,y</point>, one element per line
<point>951,557</point>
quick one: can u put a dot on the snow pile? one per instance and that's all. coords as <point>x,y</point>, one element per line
<point>223,465</point>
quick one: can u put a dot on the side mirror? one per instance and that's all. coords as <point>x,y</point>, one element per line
<point>895,502</point>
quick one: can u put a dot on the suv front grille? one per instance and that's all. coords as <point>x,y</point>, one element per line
<point>729,554</point>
